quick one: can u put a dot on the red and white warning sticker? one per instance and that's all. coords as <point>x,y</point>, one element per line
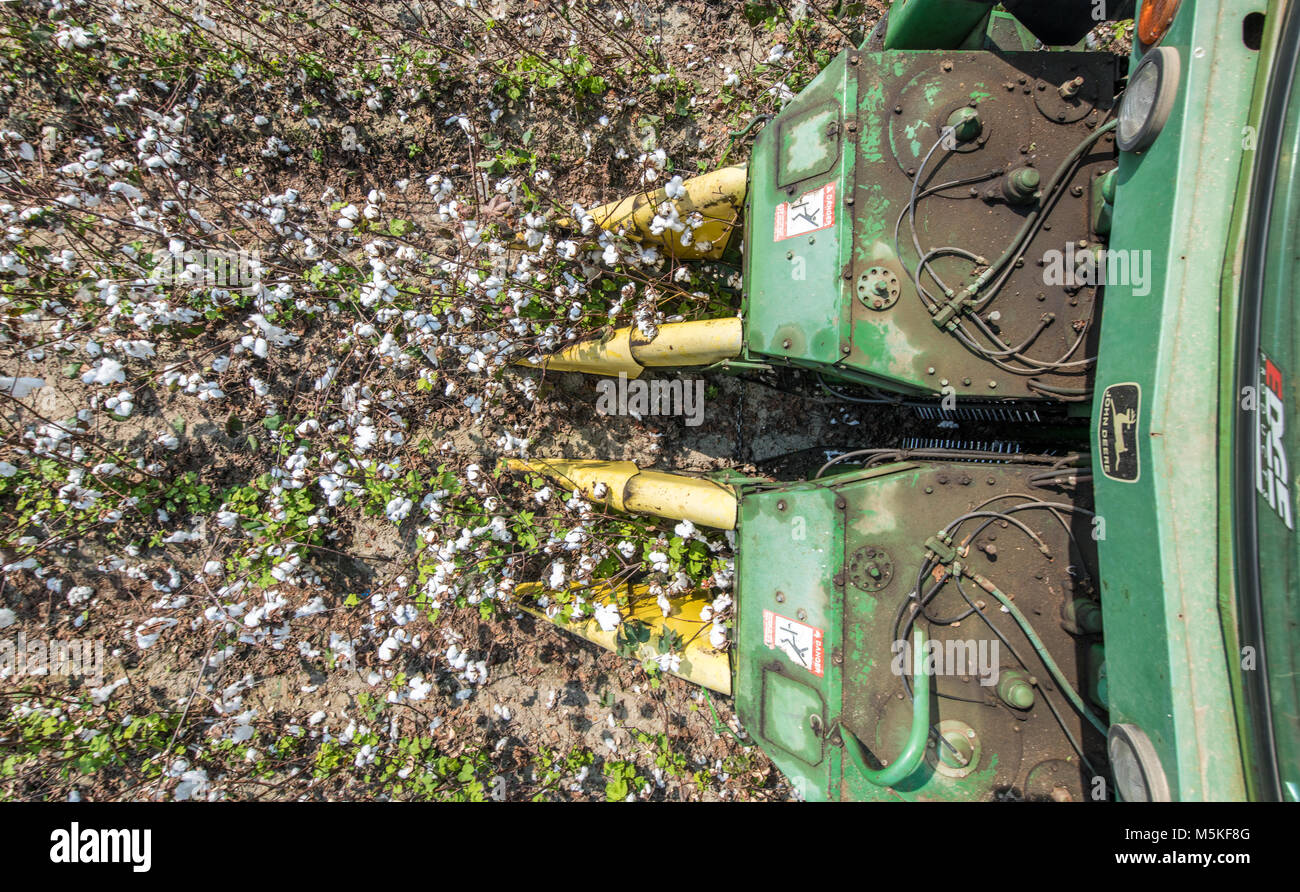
<point>800,642</point>
<point>813,211</point>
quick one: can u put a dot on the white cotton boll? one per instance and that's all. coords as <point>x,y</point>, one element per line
<point>7,617</point>
<point>121,405</point>
<point>659,561</point>
<point>213,568</point>
<point>261,120</point>
<point>148,632</point>
<point>366,437</point>
<point>685,529</point>
<point>108,371</point>
<point>389,648</point>
<point>19,388</point>
<point>674,188</point>
<point>398,508</point>
<point>8,470</point>
<point>717,635</point>
<point>669,662</point>
<point>607,616</point>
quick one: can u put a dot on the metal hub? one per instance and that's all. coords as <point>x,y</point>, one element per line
<point>878,288</point>
<point>961,755</point>
<point>871,568</point>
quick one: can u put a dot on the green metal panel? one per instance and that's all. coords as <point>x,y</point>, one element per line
<point>809,297</point>
<point>934,24</point>
<point>840,555</point>
<point>1165,657</point>
<point>789,545</point>
<point>793,303</point>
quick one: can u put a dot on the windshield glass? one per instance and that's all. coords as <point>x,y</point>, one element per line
<point>1269,364</point>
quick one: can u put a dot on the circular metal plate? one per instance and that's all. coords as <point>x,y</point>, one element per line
<point>873,282</point>
<point>962,735</point>
<point>918,112</point>
<point>1061,109</point>
<point>864,561</point>
<point>1054,780</point>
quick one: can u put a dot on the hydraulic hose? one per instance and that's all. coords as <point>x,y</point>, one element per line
<point>1075,700</point>
<point>910,758</point>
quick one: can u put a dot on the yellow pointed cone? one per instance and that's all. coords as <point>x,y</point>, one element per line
<point>717,196</point>
<point>675,345</point>
<point>597,356</point>
<point>625,487</point>
<point>644,628</point>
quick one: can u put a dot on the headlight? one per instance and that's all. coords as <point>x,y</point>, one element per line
<point>1135,765</point>
<point>1146,104</point>
<point>1155,19</point>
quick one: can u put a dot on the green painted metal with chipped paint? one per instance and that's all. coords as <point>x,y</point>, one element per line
<point>829,708</point>
<point>840,157</point>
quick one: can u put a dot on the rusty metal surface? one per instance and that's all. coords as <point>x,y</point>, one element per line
<point>898,512</point>
<point>905,101</point>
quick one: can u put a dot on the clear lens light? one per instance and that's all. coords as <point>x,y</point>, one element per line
<point>1149,100</point>
<point>1135,765</point>
<point>1129,782</point>
<point>1139,99</point>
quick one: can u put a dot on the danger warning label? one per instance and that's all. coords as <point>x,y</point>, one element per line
<point>800,642</point>
<point>813,211</point>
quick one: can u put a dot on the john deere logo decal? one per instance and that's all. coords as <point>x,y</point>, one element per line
<point>1117,432</point>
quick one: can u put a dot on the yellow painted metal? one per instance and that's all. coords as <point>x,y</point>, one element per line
<point>700,663</point>
<point>582,474</point>
<point>718,196</point>
<point>677,344</point>
<point>597,356</point>
<point>628,488</point>
<point>701,342</point>
<point>678,497</point>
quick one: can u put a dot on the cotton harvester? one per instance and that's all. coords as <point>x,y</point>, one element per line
<point>937,215</point>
